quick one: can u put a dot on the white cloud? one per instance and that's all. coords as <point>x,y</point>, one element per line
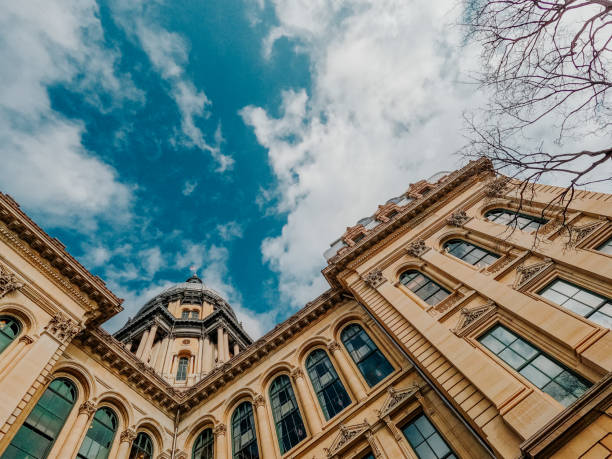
<point>189,187</point>
<point>44,164</point>
<point>169,54</point>
<point>384,110</point>
<point>230,230</point>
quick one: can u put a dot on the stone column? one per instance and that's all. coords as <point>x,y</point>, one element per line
<point>347,371</point>
<point>128,346</point>
<point>12,357</point>
<point>307,403</point>
<point>86,411</point>
<point>399,438</point>
<point>220,443</point>
<point>161,355</point>
<point>147,350</point>
<point>126,439</point>
<point>266,447</point>
<point>208,355</point>
<point>226,356</point>
<point>236,349</point>
<point>220,341</point>
<point>143,343</point>
<point>168,359</point>
<point>199,356</point>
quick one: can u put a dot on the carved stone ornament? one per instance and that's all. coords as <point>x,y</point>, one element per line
<point>458,218</point>
<point>396,397</point>
<point>221,429</point>
<point>471,315</point>
<point>333,346</point>
<point>374,278</point>
<point>178,454</point>
<point>297,374</point>
<point>496,187</point>
<point>128,435</point>
<point>578,233</point>
<point>449,302</point>
<point>88,408</point>
<point>417,248</point>
<point>8,282</point>
<point>62,327</point>
<point>259,401</point>
<point>525,273</point>
<point>346,435</point>
<point>26,339</point>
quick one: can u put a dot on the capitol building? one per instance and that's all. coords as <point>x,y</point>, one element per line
<point>460,322</point>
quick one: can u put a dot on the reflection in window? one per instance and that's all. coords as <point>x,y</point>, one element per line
<point>426,441</point>
<point>142,448</point>
<point>371,362</point>
<point>523,222</point>
<point>426,289</point>
<point>470,253</point>
<point>9,330</point>
<point>181,372</point>
<point>579,300</point>
<point>332,395</point>
<point>100,435</point>
<point>244,438</point>
<point>606,247</point>
<point>38,432</point>
<point>547,374</point>
<point>287,419</point>
<point>203,448</point>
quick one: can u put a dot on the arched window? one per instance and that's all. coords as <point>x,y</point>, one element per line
<point>181,372</point>
<point>42,426</point>
<point>426,289</point>
<point>185,314</point>
<point>372,364</point>
<point>515,219</point>
<point>100,435</point>
<point>142,448</point>
<point>204,446</point>
<point>470,253</point>
<point>332,395</point>
<point>9,329</point>
<point>287,419</point>
<point>244,437</point>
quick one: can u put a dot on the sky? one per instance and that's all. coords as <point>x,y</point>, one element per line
<point>232,138</point>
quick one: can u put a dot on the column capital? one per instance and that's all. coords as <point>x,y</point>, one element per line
<point>333,346</point>
<point>26,339</point>
<point>62,327</point>
<point>128,435</point>
<point>259,400</point>
<point>220,430</point>
<point>88,408</point>
<point>296,374</point>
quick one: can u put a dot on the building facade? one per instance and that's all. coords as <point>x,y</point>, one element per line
<point>460,322</point>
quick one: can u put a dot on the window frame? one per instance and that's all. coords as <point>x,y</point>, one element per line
<point>476,265</point>
<point>297,409</point>
<point>253,426</point>
<point>178,368</point>
<point>378,349</point>
<point>111,447</point>
<point>541,221</point>
<point>139,448</point>
<point>429,279</point>
<point>339,377</point>
<point>413,419</point>
<point>204,445</point>
<point>20,329</point>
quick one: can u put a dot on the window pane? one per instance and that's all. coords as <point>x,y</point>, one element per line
<point>203,448</point>
<point>606,247</point>
<point>100,435</point>
<point>372,364</point>
<point>510,218</point>
<point>425,440</point>
<point>9,329</point>
<point>244,439</point>
<point>424,287</point>
<point>540,369</point>
<point>330,391</point>
<point>290,429</point>
<point>40,429</point>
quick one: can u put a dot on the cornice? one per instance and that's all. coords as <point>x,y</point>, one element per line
<point>413,214</point>
<point>152,386</point>
<point>49,256</point>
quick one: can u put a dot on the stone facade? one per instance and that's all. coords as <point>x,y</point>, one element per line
<point>440,368</point>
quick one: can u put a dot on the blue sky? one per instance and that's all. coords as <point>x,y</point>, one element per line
<point>238,137</point>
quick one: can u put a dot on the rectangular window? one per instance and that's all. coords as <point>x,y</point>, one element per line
<point>426,441</point>
<point>543,371</point>
<point>579,300</point>
<point>606,247</point>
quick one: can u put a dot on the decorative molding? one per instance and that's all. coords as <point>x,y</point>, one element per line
<point>26,339</point>
<point>221,429</point>
<point>500,264</point>
<point>550,226</point>
<point>469,316</point>
<point>458,218</point>
<point>346,435</point>
<point>88,408</point>
<point>177,454</point>
<point>448,302</point>
<point>524,274</point>
<point>496,187</point>
<point>259,400</point>
<point>374,278</point>
<point>8,281</point>
<point>333,346</point>
<point>578,233</point>
<point>297,374</point>
<point>417,248</point>
<point>396,398</point>
<point>128,435</point>
<point>62,327</point>
<point>373,444</point>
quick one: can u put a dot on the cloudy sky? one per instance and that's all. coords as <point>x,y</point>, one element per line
<point>237,138</point>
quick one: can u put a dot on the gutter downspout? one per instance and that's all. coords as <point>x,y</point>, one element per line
<point>176,421</point>
<point>428,380</point>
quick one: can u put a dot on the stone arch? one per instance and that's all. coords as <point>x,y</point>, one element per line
<point>28,320</point>
<point>349,317</point>
<point>205,422</point>
<point>407,266</point>
<point>243,395</point>
<point>310,345</point>
<point>456,233</point>
<point>154,429</point>
<point>82,375</point>
<point>121,405</point>
<point>271,373</point>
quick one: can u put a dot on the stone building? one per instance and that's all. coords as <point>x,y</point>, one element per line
<point>457,323</point>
